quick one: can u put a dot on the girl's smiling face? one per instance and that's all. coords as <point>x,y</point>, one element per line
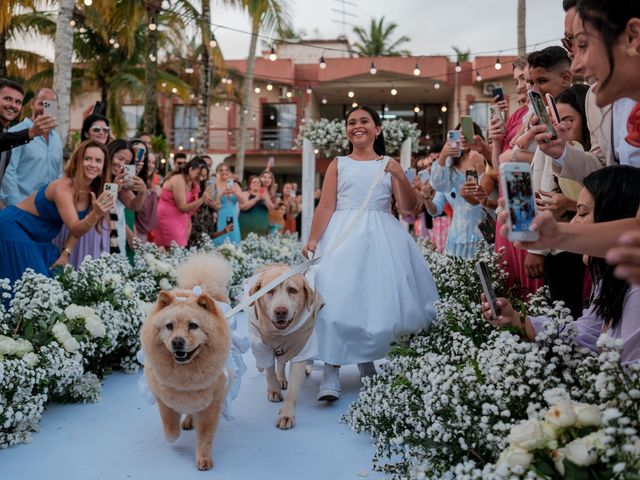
<point>361,129</point>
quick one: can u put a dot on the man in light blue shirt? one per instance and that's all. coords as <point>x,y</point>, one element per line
<point>33,164</point>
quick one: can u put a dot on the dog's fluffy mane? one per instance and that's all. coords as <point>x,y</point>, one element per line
<point>211,272</point>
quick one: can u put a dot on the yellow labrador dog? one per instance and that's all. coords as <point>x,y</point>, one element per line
<point>281,325</point>
<point>186,342</point>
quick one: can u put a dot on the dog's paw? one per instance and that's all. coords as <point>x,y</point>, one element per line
<point>171,436</point>
<point>204,463</point>
<point>187,423</point>
<point>285,421</point>
<point>274,396</point>
<point>283,383</point>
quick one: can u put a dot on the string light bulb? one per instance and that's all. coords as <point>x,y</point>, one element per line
<point>323,64</point>
<point>269,86</point>
<point>443,109</point>
<point>458,67</point>
<point>416,109</point>
<point>152,24</point>
<point>309,90</point>
<point>373,70</point>
<point>354,104</point>
<point>416,70</point>
<point>112,41</point>
<point>436,85</point>
<point>498,65</point>
<point>116,45</point>
<point>272,56</point>
<point>439,120</point>
<point>257,90</point>
<point>324,101</point>
<point>478,76</point>
<point>289,94</point>
<point>188,70</point>
<point>88,3</point>
<point>174,90</point>
<point>394,92</point>
<point>72,23</point>
<point>213,43</point>
<point>351,94</point>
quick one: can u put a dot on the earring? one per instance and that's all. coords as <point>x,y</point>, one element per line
<point>632,52</point>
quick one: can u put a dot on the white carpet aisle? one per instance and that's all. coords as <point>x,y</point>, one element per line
<point>121,438</point>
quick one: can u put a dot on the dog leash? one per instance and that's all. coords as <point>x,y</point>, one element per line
<point>305,265</point>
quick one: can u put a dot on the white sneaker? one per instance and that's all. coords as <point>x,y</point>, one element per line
<point>330,384</point>
<point>367,369</point>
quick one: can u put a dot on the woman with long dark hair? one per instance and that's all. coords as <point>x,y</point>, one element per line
<point>609,194</point>
<point>178,200</point>
<point>449,176</point>
<point>391,292</point>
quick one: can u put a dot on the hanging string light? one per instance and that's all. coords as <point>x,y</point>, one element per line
<point>478,76</point>
<point>272,56</point>
<point>351,94</point>
<point>213,43</point>
<point>458,67</point>
<point>416,70</point>
<point>498,65</point>
<point>324,100</point>
<point>394,92</point>
<point>436,85</point>
<point>72,23</point>
<point>174,90</point>
<point>112,41</point>
<point>443,109</point>
<point>88,2</point>
<point>152,24</point>
<point>116,45</point>
<point>309,91</point>
<point>269,86</point>
<point>257,90</point>
<point>188,70</point>
<point>289,94</point>
<point>373,70</point>
<point>416,109</point>
<point>354,104</point>
<point>323,64</point>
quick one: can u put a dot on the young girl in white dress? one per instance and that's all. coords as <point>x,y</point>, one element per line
<point>376,284</point>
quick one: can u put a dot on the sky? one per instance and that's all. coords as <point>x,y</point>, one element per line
<point>433,26</point>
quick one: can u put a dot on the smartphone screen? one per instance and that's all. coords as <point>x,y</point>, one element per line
<point>541,111</point>
<point>487,288</point>
<point>229,184</point>
<point>139,154</point>
<point>471,176</point>
<point>553,109</point>
<point>229,220</point>
<point>466,125</point>
<point>520,200</point>
<point>497,92</point>
<point>496,113</point>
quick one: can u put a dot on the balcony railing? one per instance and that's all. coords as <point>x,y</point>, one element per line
<point>226,139</point>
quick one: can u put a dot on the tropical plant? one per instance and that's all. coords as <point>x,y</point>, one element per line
<point>377,41</point>
<point>461,55</point>
<point>265,15</point>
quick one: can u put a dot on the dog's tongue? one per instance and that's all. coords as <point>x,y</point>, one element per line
<point>282,324</point>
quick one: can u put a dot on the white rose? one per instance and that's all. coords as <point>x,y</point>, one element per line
<point>165,284</point>
<point>514,457</point>
<point>581,452</point>
<point>70,344</point>
<point>528,435</point>
<point>22,347</point>
<point>30,359</point>
<point>95,327</point>
<point>72,311</point>
<point>129,291</point>
<point>61,333</point>
<point>558,457</point>
<point>8,346</point>
<point>588,415</point>
<point>561,415</point>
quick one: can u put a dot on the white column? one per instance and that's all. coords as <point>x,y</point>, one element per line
<point>308,187</point>
<point>405,162</point>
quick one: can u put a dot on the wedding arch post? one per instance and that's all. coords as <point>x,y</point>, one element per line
<point>405,163</point>
<point>308,187</point>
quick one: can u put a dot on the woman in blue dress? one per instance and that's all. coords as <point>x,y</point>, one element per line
<point>230,195</point>
<point>449,179</point>
<point>27,229</point>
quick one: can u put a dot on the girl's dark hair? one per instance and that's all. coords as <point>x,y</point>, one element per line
<point>195,162</point>
<point>118,144</point>
<point>378,143</point>
<point>576,96</point>
<point>144,173</point>
<point>609,19</point>
<point>90,120</point>
<point>616,196</point>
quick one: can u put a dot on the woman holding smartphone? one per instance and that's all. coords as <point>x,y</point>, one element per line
<point>229,195</point>
<point>254,213</point>
<point>76,200</point>
<point>449,176</point>
<point>608,194</point>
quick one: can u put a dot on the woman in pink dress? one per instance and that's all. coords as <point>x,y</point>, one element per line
<point>178,200</point>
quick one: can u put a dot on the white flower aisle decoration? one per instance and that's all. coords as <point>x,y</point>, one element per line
<point>452,399</point>
<point>60,337</point>
<point>330,137</point>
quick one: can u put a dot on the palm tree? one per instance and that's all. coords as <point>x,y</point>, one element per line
<point>461,55</point>
<point>377,42</point>
<point>265,15</point>
<point>522,27</point>
<point>62,65</point>
<point>205,80</point>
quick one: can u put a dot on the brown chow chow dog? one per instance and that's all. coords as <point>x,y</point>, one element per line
<point>186,342</point>
<point>281,325</point>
